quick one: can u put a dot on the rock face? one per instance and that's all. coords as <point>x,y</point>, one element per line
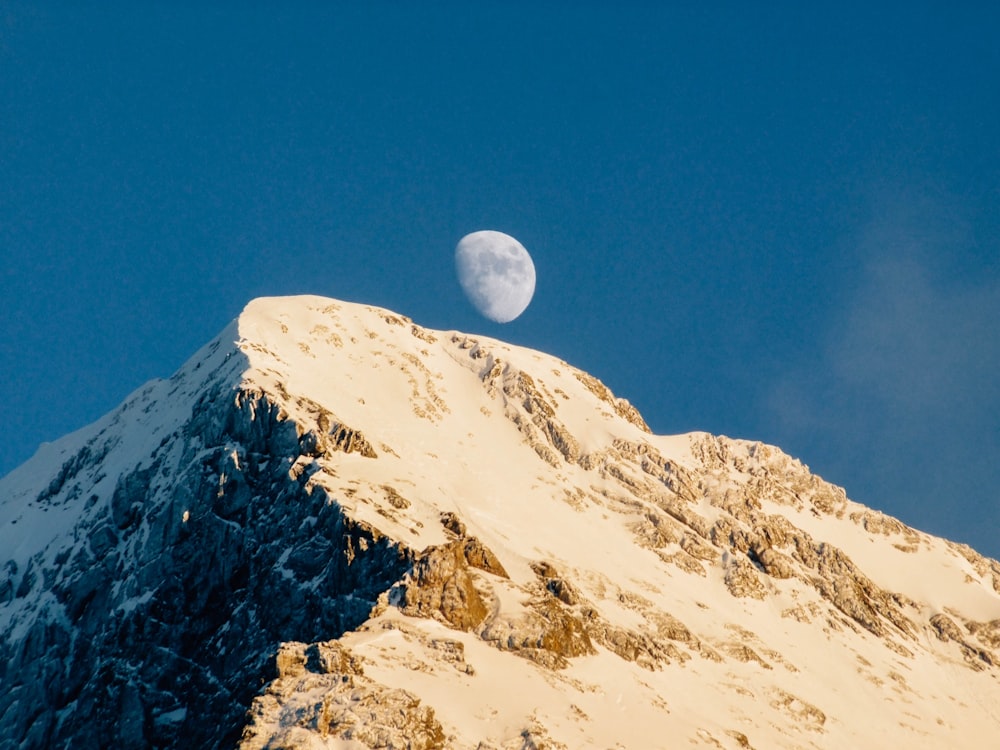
<point>348,705</point>
<point>173,592</point>
<point>333,528</point>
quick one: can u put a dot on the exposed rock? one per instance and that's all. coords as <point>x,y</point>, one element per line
<point>532,412</point>
<point>946,630</point>
<point>547,633</point>
<point>556,585</point>
<point>441,587</point>
<point>394,498</point>
<point>322,690</point>
<point>698,548</point>
<point>478,555</point>
<point>773,562</point>
<point>742,579</point>
<point>622,408</point>
<point>669,473</point>
<point>261,577</point>
<point>343,438</point>
<point>809,716</point>
<point>987,632</point>
<point>453,523</point>
<point>645,650</point>
<point>853,593</point>
<point>742,652</point>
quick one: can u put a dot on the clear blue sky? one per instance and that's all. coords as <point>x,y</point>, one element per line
<point>779,223</point>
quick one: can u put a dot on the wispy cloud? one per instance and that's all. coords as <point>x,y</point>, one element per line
<point>905,402</point>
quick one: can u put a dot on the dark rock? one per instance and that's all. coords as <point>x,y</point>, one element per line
<point>128,498</point>
<point>175,625</point>
<point>102,539</point>
<point>311,445</point>
<point>453,523</point>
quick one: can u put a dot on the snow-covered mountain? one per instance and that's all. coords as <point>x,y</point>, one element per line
<point>333,528</point>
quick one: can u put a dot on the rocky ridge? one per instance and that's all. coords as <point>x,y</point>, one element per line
<point>334,528</point>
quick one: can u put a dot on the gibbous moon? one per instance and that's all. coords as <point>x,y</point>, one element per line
<point>496,274</point>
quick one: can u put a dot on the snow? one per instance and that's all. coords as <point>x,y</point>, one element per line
<point>462,457</point>
<point>444,443</point>
<point>132,603</point>
<point>172,717</point>
<point>36,526</point>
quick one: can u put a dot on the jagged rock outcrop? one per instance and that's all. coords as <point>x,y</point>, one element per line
<point>178,590</point>
<point>349,706</point>
<point>441,586</point>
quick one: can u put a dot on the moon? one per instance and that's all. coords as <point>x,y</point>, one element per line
<point>496,274</point>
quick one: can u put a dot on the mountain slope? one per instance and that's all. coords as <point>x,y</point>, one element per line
<point>369,534</point>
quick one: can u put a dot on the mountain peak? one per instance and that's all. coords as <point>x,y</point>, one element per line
<point>335,528</point>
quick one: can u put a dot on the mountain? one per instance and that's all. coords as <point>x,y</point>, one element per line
<point>333,528</point>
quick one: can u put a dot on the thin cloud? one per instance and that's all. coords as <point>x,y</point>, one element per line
<point>904,406</point>
<point>927,350</point>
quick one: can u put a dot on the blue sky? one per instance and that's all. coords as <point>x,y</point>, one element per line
<point>780,224</point>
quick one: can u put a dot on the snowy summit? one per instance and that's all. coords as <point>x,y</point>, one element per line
<point>333,528</point>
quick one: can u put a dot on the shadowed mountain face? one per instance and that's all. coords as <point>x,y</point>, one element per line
<point>157,625</point>
<point>334,528</point>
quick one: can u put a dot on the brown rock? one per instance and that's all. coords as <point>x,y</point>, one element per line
<point>742,579</point>
<point>453,523</point>
<point>441,587</point>
<point>478,555</point>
